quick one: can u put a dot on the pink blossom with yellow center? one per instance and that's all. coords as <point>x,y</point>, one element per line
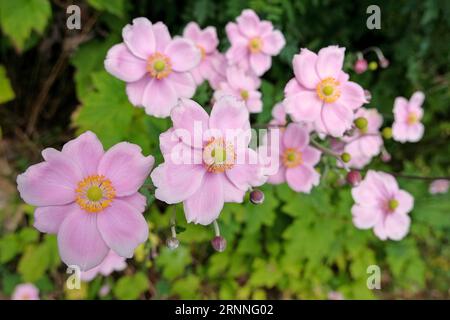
<point>407,116</point>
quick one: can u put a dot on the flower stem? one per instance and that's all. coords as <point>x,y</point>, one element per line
<point>216,228</point>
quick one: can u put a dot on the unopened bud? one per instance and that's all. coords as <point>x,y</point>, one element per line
<point>256,196</point>
<point>384,63</point>
<point>385,156</point>
<point>360,65</point>
<point>172,243</point>
<point>219,243</point>
<point>373,66</point>
<point>387,133</point>
<point>367,95</point>
<point>361,123</point>
<point>346,157</point>
<point>353,178</point>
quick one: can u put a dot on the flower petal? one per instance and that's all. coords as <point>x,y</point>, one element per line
<point>302,178</point>
<point>229,113</point>
<point>121,63</point>
<point>305,68</point>
<point>295,136</point>
<point>234,35</point>
<point>405,202</point>
<point>336,118</point>
<point>260,62</point>
<point>79,240</point>
<point>330,61</point>
<point>248,23</point>
<point>397,225</point>
<point>303,106</point>
<point>135,90</point>
<point>183,84</point>
<point>162,36</point>
<point>139,37</point>
<point>49,183</point>
<point>49,219</point>
<point>205,204</point>
<point>122,227</point>
<point>126,167</point>
<point>86,151</point>
<point>230,192</point>
<point>352,95</point>
<point>278,177</point>
<point>366,217</point>
<point>311,156</point>
<point>183,54</point>
<point>159,98</point>
<point>273,43</point>
<point>247,172</point>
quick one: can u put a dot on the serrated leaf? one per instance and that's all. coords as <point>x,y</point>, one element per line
<point>6,91</point>
<point>131,287</point>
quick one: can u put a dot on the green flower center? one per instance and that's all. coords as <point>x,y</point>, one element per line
<point>328,90</point>
<point>219,155</point>
<point>393,204</point>
<point>94,193</point>
<point>159,65</point>
<point>244,94</point>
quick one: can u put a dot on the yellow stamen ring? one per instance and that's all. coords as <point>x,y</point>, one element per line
<point>218,156</point>
<point>412,118</point>
<point>291,158</point>
<point>95,193</point>
<point>328,90</point>
<point>255,45</point>
<point>202,51</point>
<point>159,65</point>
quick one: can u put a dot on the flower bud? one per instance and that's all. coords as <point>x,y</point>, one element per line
<point>256,196</point>
<point>172,243</point>
<point>385,156</point>
<point>367,95</point>
<point>384,63</point>
<point>346,157</point>
<point>361,123</point>
<point>387,133</point>
<point>353,178</point>
<point>373,65</point>
<point>360,65</point>
<point>219,243</point>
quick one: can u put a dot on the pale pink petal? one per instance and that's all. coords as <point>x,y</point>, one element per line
<point>86,151</point>
<point>254,103</point>
<point>190,121</point>
<point>305,69</point>
<point>49,219</point>
<point>380,230</point>
<point>247,172</point>
<point>237,53</point>
<point>397,225</point>
<point>336,118</point>
<point>208,40</point>
<point>159,98</point>
<point>162,36</point>
<point>295,136</point>
<point>121,63</point>
<point>192,31</point>
<point>122,227</point>
<point>278,177</point>
<point>137,201</point>
<point>352,95</point>
<point>417,100</point>
<point>311,156</point>
<point>139,37</point>
<point>177,182</point>
<point>405,202</point>
<point>50,183</point>
<point>230,192</point>
<point>183,54</point>
<point>135,90</point>
<point>168,140</point>
<point>126,167</point>
<point>79,240</point>
<point>260,62</point>
<point>204,206</point>
<point>183,84</point>
<point>400,108</point>
<point>400,131</point>
<point>415,132</point>
<point>234,35</point>
<point>302,178</point>
<point>303,106</point>
<point>248,23</point>
<point>293,87</point>
<point>366,217</point>
<point>273,43</point>
<point>330,61</point>
<point>228,113</point>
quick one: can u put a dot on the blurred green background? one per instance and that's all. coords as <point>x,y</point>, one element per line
<point>53,86</point>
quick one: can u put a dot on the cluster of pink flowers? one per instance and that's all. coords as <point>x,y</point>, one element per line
<point>90,197</point>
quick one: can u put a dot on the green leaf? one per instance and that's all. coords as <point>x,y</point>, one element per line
<point>116,7</point>
<point>187,288</point>
<point>173,262</point>
<point>19,18</point>
<point>131,287</point>
<point>6,91</point>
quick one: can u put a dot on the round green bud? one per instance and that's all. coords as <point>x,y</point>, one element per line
<point>346,157</point>
<point>361,123</point>
<point>387,133</point>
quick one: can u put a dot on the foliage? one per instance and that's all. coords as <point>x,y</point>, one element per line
<point>293,245</point>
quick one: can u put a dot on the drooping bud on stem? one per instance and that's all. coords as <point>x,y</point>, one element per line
<point>172,243</point>
<point>368,95</point>
<point>219,243</point>
<point>353,178</point>
<point>256,196</point>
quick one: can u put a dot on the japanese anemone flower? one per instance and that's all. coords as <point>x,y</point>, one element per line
<point>253,42</point>
<point>112,262</point>
<point>207,161</point>
<point>407,116</point>
<point>155,67</point>
<point>321,92</point>
<point>89,198</point>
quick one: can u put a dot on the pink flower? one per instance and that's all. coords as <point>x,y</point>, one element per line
<point>25,291</point>
<point>155,66</point>
<point>253,42</point>
<point>217,165</point>
<point>381,205</point>
<point>407,116</point>
<point>364,144</point>
<point>297,160</point>
<point>220,65</point>
<point>242,86</point>
<point>279,117</point>
<point>111,263</point>
<point>89,198</point>
<point>206,40</point>
<point>439,186</point>
<point>360,66</point>
<point>321,92</point>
